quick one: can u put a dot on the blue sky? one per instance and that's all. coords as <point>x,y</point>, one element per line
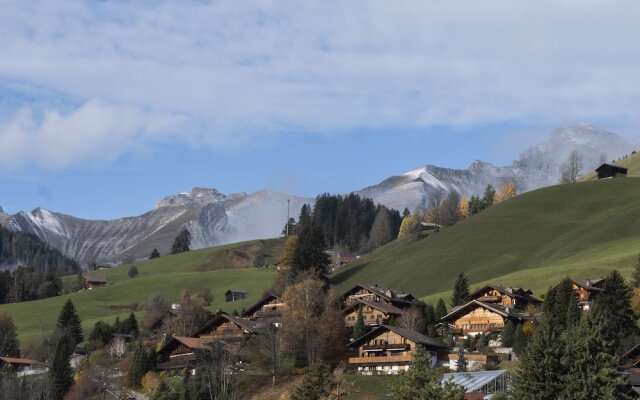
<point>105,107</point>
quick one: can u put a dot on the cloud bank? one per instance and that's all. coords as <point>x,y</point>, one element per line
<point>220,74</point>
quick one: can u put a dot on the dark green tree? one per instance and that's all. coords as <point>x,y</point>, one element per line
<point>259,260</point>
<point>68,319</point>
<point>133,271</point>
<point>130,325</point>
<point>100,336</point>
<point>60,371</point>
<point>475,205</point>
<point>489,197</point>
<point>138,366</point>
<point>519,340</point>
<point>508,334</point>
<point>309,253</point>
<point>9,345</point>
<point>441,310</point>
<point>182,242</point>
<point>154,254</point>
<point>315,384</point>
<point>462,365</point>
<point>460,291</point>
<point>406,212</point>
<point>165,392</point>
<point>636,273</point>
<point>359,328</point>
<point>421,382</point>
<point>289,227</point>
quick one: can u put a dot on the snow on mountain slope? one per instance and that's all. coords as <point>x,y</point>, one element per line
<point>538,166</point>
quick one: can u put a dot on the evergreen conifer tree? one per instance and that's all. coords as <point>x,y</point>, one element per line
<point>60,371</point>
<point>519,340</point>
<point>441,310</point>
<point>489,197</point>
<point>138,366</point>
<point>460,291</point>
<point>130,325</point>
<point>462,365</point>
<point>314,385</point>
<point>309,252</point>
<point>154,254</point>
<point>359,328</point>
<point>182,242</point>
<point>69,320</point>
<point>636,273</point>
<point>9,345</point>
<point>421,382</point>
<point>508,334</point>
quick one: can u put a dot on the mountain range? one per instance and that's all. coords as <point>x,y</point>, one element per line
<point>215,218</point>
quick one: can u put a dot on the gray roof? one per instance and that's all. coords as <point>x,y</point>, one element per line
<point>406,333</point>
<point>384,307</point>
<point>507,312</point>
<point>473,380</point>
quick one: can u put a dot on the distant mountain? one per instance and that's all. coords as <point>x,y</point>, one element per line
<point>537,167</point>
<point>211,217</point>
<point>214,218</point>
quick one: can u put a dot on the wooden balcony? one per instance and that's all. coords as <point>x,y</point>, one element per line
<point>178,362</point>
<point>386,346</point>
<point>380,360</point>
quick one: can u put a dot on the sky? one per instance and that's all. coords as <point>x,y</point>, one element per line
<point>108,106</point>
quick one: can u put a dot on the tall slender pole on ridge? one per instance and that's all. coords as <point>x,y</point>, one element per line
<point>288,201</point>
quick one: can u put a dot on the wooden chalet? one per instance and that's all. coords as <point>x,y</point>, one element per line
<point>90,282</point>
<point>373,313</point>
<point>233,295</point>
<point>476,317</point>
<point>611,171</point>
<point>180,352</point>
<point>388,350</point>
<point>229,328</point>
<point>378,295</point>
<point>268,309</point>
<point>506,296</point>
<point>587,290</point>
<point>23,366</point>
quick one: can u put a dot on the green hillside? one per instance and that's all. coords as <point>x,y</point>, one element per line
<point>631,162</point>
<point>582,230</point>
<point>217,268</point>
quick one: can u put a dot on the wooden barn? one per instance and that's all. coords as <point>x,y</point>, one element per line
<point>180,352</point>
<point>611,171</point>
<point>229,328</point>
<point>506,296</point>
<point>378,295</point>
<point>373,313</point>
<point>90,282</point>
<point>388,350</point>
<point>478,317</point>
<point>233,295</point>
<point>268,309</point>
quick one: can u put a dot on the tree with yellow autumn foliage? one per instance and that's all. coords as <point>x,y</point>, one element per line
<point>506,191</point>
<point>463,207</point>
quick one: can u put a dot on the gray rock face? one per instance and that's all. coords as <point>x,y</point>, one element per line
<point>537,167</point>
<point>211,217</point>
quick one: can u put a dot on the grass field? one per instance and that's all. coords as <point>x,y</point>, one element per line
<point>582,230</point>
<point>360,387</point>
<point>195,270</point>
<point>631,162</point>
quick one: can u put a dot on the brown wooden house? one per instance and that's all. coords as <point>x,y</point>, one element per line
<point>506,296</point>
<point>587,290</point>
<point>388,350</point>
<point>373,313</point>
<point>268,309</point>
<point>611,171</point>
<point>476,317</point>
<point>376,294</point>
<point>229,328</point>
<point>90,282</point>
<point>180,352</point>
<point>23,366</point>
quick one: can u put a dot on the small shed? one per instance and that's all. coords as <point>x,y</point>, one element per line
<point>89,282</point>
<point>611,171</point>
<point>233,295</point>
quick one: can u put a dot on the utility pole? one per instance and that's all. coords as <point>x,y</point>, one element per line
<point>288,201</point>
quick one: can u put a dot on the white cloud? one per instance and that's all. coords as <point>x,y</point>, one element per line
<point>237,70</point>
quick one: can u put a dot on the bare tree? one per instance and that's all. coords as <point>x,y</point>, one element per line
<point>411,318</point>
<point>602,159</point>
<point>380,230</point>
<point>118,347</point>
<point>571,169</point>
<point>444,210</point>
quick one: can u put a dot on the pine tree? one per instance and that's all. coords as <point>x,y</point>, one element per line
<point>519,340</point>
<point>636,273</point>
<point>314,385</point>
<point>462,365</point>
<point>489,197</point>
<point>154,254</point>
<point>441,310</point>
<point>182,242</point>
<point>69,320</point>
<point>309,252</point>
<point>508,334</point>
<point>421,382</point>
<point>133,271</point>
<point>60,371</point>
<point>138,366</point>
<point>460,291</point>
<point>358,328</point>
<point>9,345</point>
<point>130,325</point>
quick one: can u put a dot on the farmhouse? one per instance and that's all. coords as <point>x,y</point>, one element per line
<point>229,328</point>
<point>506,296</point>
<point>233,295</point>
<point>387,350</point>
<point>90,282</point>
<point>268,309</point>
<point>477,317</point>
<point>377,294</point>
<point>373,313</point>
<point>587,290</point>
<point>180,352</point>
<point>23,366</point>
<point>611,171</point>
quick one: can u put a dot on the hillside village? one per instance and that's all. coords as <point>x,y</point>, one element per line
<point>305,338</point>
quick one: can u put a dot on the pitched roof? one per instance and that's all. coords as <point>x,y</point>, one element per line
<point>245,323</point>
<point>384,307</point>
<point>509,291</point>
<point>22,361</point>
<point>507,312</point>
<point>406,333</point>
<point>612,166</point>
<point>235,291</point>
<point>267,298</point>
<point>590,285</point>
<point>389,294</point>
